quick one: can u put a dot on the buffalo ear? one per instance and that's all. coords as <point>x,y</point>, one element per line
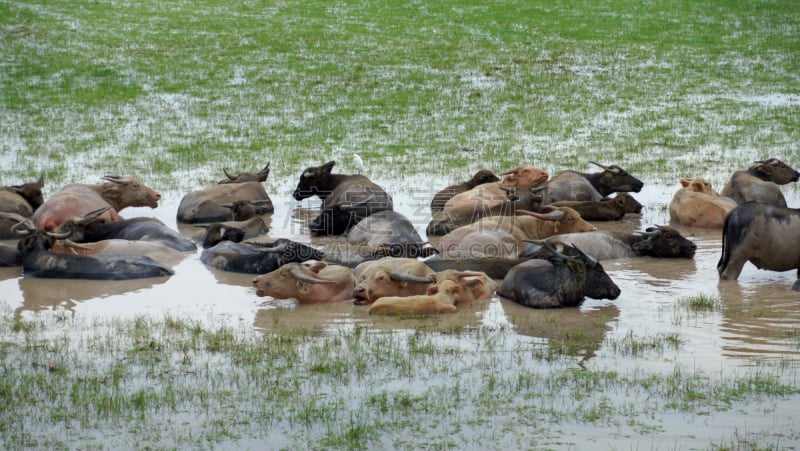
<point>685,182</point>
<point>433,290</point>
<point>303,287</point>
<point>317,267</point>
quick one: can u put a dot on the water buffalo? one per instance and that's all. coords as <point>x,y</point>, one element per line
<point>558,281</point>
<point>698,205</point>
<point>528,199</point>
<point>573,185</point>
<point>760,183</point>
<point>9,256</point>
<point>440,298</point>
<point>765,235</point>
<point>250,258</point>
<point>218,232</point>
<point>441,197</point>
<point>605,209</point>
<point>488,195</point>
<point>76,199</point>
<point>309,284</point>
<point>658,241</point>
<point>500,236</point>
<point>38,260</point>
<point>260,176</point>
<point>147,229</point>
<point>346,199</point>
<point>473,285</point>
<point>390,276</point>
<point>388,233</point>
<point>493,267</point>
<point>161,253</point>
<point>214,204</point>
<point>21,200</point>
<point>242,210</point>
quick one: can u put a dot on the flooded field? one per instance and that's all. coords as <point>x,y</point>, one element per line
<point>758,319</point>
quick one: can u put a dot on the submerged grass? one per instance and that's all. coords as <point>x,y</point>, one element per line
<point>169,382</point>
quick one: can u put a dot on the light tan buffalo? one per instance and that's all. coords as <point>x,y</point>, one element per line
<point>696,204</point>
<point>313,283</point>
<point>390,276</point>
<point>440,298</point>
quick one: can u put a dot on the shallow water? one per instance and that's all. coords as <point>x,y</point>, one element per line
<point>759,317</point>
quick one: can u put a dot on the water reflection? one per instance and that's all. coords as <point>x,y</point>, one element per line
<point>577,331</point>
<point>40,294</point>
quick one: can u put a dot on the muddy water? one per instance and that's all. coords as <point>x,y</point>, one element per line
<point>758,320</point>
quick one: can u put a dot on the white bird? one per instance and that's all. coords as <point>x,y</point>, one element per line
<point>358,162</point>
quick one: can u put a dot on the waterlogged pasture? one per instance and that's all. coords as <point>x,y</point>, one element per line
<point>426,94</point>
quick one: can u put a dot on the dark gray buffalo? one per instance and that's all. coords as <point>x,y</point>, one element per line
<point>38,261</point>
<point>251,258</point>
<point>606,209</point>
<point>388,233</point>
<point>558,281</point>
<point>346,199</point>
<point>658,241</point>
<point>214,204</point>
<point>573,185</point>
<point>762,234</point>
<point>760,183</point>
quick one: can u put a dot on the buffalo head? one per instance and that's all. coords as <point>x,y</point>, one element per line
<point>665,242</point>
<point>313,181</point>
<point>614,179</point>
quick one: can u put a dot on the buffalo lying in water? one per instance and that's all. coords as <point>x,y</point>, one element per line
<point>574,185</point>
<point>760,183</point>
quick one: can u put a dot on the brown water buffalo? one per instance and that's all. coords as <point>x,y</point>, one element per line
<point>698,205</point>
<point>760,183</point>
<point>346,199</point>
<point>481,177</point>
<point>214,204</point>
<point>658,241</point>
<point>161,253</point>
<point>38,261</point>
<point>309,284</point>
<point>558,281</point>
<point>260,176</point>
<point>606,209</point>
<point>440,298</point>
<point>764,235</point>
<point>573,185</point>
<point>242,210</point>
<point>501,236</point>
<point>390,276</point>
<point>22,200</point>
<point>488,195</point>
<point>527,199</point>
<point>77,199</point>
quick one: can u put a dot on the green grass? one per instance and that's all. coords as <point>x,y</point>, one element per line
<point>187,88</point>
<point>171,382</point>
<point>173,92</point>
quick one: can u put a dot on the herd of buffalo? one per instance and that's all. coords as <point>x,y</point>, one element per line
<point>522,234</point>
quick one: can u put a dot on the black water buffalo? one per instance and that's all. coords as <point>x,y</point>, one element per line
<point>527,199</point>
<point>260,176</point>
<point>558,281</point>
<point>22,200</point>
<point>77,199</point>
<point>606,209</point>
<point>9,256</point>
<point>218,232</point>
<point>573,185</point>
<point>37,260</point>
<point>765,235</point>
<point>658,241</point>
<point>242,210</point>
<point>445,194</point>
<point>346,199</point>
<point>138,229</point>
<point>760,183</point>
<point>250,258</point>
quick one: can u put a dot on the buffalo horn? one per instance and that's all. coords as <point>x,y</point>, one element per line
<point>230,177</point>
<point>584,255</point>
<point>40,182</point>
<point>555,215</point>
<point>538,188</point>
<point>122,179</point>
<point>61,235</point>
<point>91,216</point>
<point>303,277</point>
<point>402,277</point>
<point>651,233</point>
<point>510,171</point>
<point>23,228</point>
<point>607,168</point>
<point>70,243</point>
